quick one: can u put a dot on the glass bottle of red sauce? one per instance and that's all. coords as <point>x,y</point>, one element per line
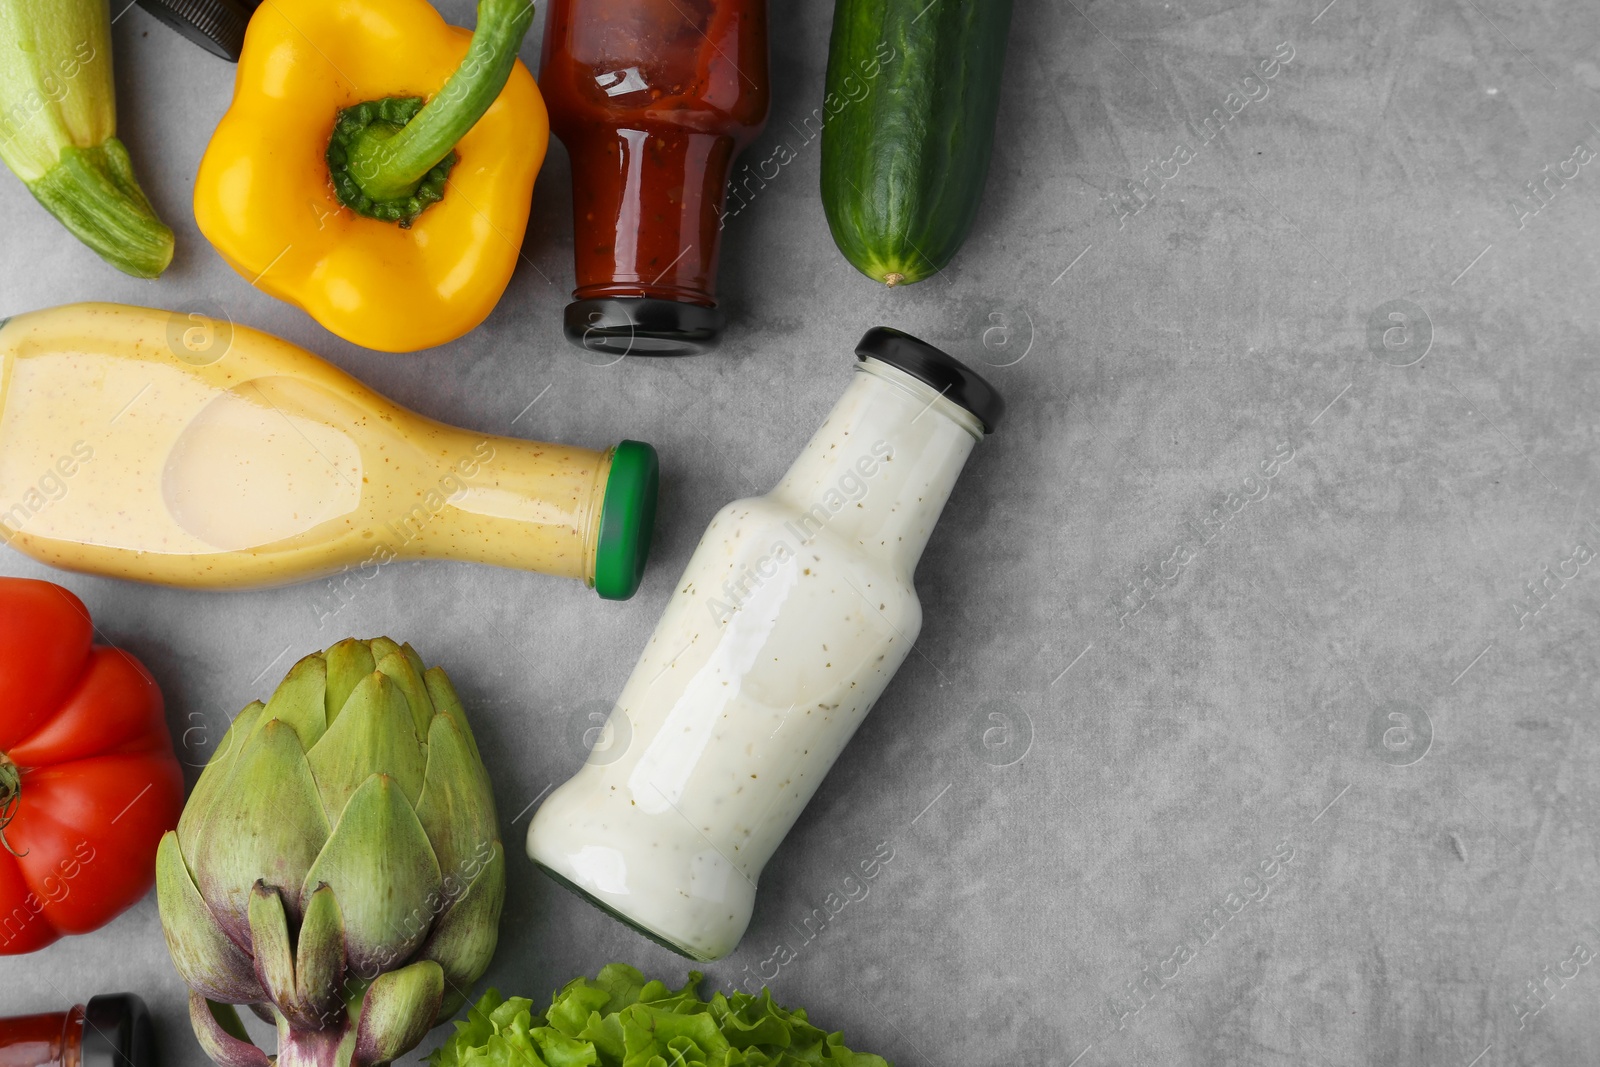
<point>653,100</point>
<point>111,1031</point>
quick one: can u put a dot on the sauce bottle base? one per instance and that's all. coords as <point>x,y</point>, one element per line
<point>590,898</point>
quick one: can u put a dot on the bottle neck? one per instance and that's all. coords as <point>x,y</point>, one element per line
<point>507,502</point>
<point>882,465</point>
<point>54,1039</point>
<point>647,212</point>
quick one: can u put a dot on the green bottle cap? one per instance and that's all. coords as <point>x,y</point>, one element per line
<point>627,517</point>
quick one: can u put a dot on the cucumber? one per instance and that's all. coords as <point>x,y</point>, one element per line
<point>912,91</point>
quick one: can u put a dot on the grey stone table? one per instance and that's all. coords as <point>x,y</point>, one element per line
<point>1194,765</point>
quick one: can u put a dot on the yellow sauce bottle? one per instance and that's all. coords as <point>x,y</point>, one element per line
<point>171,448</point>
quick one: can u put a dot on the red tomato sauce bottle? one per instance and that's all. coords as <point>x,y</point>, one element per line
<point>111,1031</point>
<point>653,100</point>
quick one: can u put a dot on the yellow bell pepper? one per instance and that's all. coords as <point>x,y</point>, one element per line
<point>329,184</point>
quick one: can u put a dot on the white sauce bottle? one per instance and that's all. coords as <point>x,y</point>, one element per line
<point>793,614</point>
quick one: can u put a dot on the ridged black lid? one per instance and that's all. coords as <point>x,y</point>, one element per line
<point>117,1033</point>
<point>643,326</point>
<point>953,378</point>
<point>215,25</point>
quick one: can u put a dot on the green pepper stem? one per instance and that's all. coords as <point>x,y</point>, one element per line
<point>94,193</point>
<point>388,167</point>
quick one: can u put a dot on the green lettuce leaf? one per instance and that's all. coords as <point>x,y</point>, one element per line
<point>618,1019</point>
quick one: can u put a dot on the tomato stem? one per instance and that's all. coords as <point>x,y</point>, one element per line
<point>10,797</point>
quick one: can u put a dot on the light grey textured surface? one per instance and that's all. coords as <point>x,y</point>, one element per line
<point>1069,793</point>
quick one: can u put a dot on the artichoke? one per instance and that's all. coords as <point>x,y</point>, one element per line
<point>338,867</point>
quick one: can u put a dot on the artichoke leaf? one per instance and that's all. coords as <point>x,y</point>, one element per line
<point>446,702</point>
<point>216,772</point>
<point>205,958</point>
<point>399,670</point>
<point>274,953</point>
<point>397,1012</point>
<point>413,658</point>
<point>266,823</point>
<point>301,700</point>
<point>464,935</point>
<point>457,805</point>
<point>349,661</point>
<point>372,735</point>
<point>382,648</point>
<point>382,870</point>
<point>319,961</point>
<point>222,1035</point>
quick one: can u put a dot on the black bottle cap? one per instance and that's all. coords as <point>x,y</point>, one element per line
<point>117,1033</point>
<point>954,379</point>
<point>643,326</point>
<point>215,25</point>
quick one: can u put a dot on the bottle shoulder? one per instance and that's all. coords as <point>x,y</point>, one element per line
<point>763,521</point>
<point>760,547</point>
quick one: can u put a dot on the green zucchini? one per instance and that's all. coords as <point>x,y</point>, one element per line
<point>912,91</point>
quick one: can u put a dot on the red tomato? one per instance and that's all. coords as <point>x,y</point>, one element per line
<point>88,779</point>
